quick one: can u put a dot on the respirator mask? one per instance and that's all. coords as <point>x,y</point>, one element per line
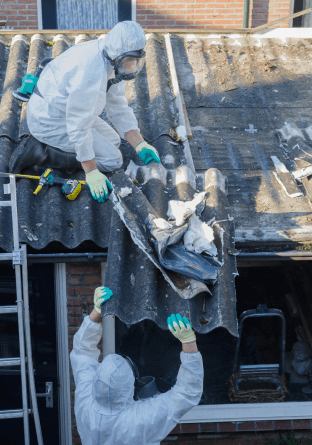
<point>127,66</point>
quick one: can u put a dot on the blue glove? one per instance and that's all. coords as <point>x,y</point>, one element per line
<point>101,295</point>
<point>147,153</point>
<point>181,328</point>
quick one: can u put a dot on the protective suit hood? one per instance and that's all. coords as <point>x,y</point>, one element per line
<point>113,386</point>
<point>125,36</point>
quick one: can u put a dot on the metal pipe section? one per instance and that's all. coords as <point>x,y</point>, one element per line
<point>246,14</point>
<point>108,324</point>
<point>31,377</point>
<point>274,256</point>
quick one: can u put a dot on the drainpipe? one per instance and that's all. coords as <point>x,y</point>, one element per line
<point>246,13</point>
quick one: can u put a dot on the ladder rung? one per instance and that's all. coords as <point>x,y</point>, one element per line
<point>16,361</point>
<point>6,256</point>
<point>8,309</point>
<point>13,413</point>
<point>5,203</point>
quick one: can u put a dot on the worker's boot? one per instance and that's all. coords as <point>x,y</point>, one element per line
<point>33,152</point>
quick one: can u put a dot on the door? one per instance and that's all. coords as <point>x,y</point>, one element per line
<point>43,336</point>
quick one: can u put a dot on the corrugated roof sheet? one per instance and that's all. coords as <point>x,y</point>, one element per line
<point>238,92</point>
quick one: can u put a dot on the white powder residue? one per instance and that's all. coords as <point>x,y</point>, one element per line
<point>180,210</point>
<point>199,237</point>
<point>125,191</point>
<point>162,223</point>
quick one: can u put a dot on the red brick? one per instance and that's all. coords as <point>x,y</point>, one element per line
<point>302,424</point>
<point>74,280</point>
<point>231,441</point>
<point>76,440</point>
<point>71,291</point>
<point>179,6</point>
<point>165,23</point>
<point>74,301</point>
<point>26,23</point>
<point>246,426</point>
<point>72,331</point>
<point>282,425</point>
<point>96,279</point>
<point>189,428</point>
<point>227,427</point>
<point>84,290</point>
<point>74,321</point>
<point>74,310</point>
<point>152,16</point>
<point>265,425</point>
<point>145,23</point>
<point>31,6</point>
<point>196,17</point>
<point>204,22</point>
<point>176,430</point>
<point>78,269</point>
<point>209,427</point>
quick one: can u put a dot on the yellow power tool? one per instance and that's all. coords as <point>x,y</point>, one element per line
<point>70,187</point>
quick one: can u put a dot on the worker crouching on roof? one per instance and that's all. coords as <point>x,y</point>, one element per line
<point>105,409</point>
<point>72,91</point>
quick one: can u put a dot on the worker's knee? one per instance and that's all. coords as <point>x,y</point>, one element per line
<point>109,164</point>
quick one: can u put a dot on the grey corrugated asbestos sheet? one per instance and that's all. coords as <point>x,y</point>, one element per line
<point>230,85</point>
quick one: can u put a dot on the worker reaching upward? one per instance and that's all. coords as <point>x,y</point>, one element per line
<point>105,409</point>
<point>72,91</point>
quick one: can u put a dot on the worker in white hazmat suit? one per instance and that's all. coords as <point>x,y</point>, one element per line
<point>71,93</point>
<point>106,412</point>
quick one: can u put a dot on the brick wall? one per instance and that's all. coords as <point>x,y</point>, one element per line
<point>19,14</point>
<point>238,433</point>
<point>265,11</point>
<point>82,280</point>
<point>206,14</point>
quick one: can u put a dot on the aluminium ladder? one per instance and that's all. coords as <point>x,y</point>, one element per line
<point>19,260</point>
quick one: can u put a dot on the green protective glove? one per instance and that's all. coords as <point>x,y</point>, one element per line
<point>29,82</point>
<point>181,328</point>
<point>101,295</point>
<point>99,185</point>
<point>147,153</point>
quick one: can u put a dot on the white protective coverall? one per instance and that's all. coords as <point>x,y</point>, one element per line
<point>105,410</point>
<point>73,88</point>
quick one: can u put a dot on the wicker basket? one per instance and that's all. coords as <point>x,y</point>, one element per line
<point>256,388</point>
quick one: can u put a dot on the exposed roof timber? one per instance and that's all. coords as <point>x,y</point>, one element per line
<point>92,32</point>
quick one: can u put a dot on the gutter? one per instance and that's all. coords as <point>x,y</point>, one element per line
<point>102,257</point>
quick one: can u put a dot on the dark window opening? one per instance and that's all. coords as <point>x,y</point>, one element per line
<point>124,10</point>
<point>298,6</point>
<point>43,338</point>
<point>49,14</point>
<point>285,286</point>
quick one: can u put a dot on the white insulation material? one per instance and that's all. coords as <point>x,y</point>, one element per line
<point>199,237</point>
<point>125,191</point>
<point>180,210</point>
<point>181,132</point>
<point>161,223</point>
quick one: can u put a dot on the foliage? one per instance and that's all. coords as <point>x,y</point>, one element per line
<point>290,441</point>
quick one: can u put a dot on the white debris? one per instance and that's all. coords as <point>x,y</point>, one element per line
<point>173,143</point>
<point>132,279</point>
<point>251,129</point>
<point>125,191</point>
<point>180,210</point>
<point>30,235</point>
<point>168,159</point>
<point>222,100</point>
<point>181,132</point>
<point>302,173</point>
<point>161,223</point>
<point>275,91</point>
<point>199,237</point>
<point>39,224</point>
